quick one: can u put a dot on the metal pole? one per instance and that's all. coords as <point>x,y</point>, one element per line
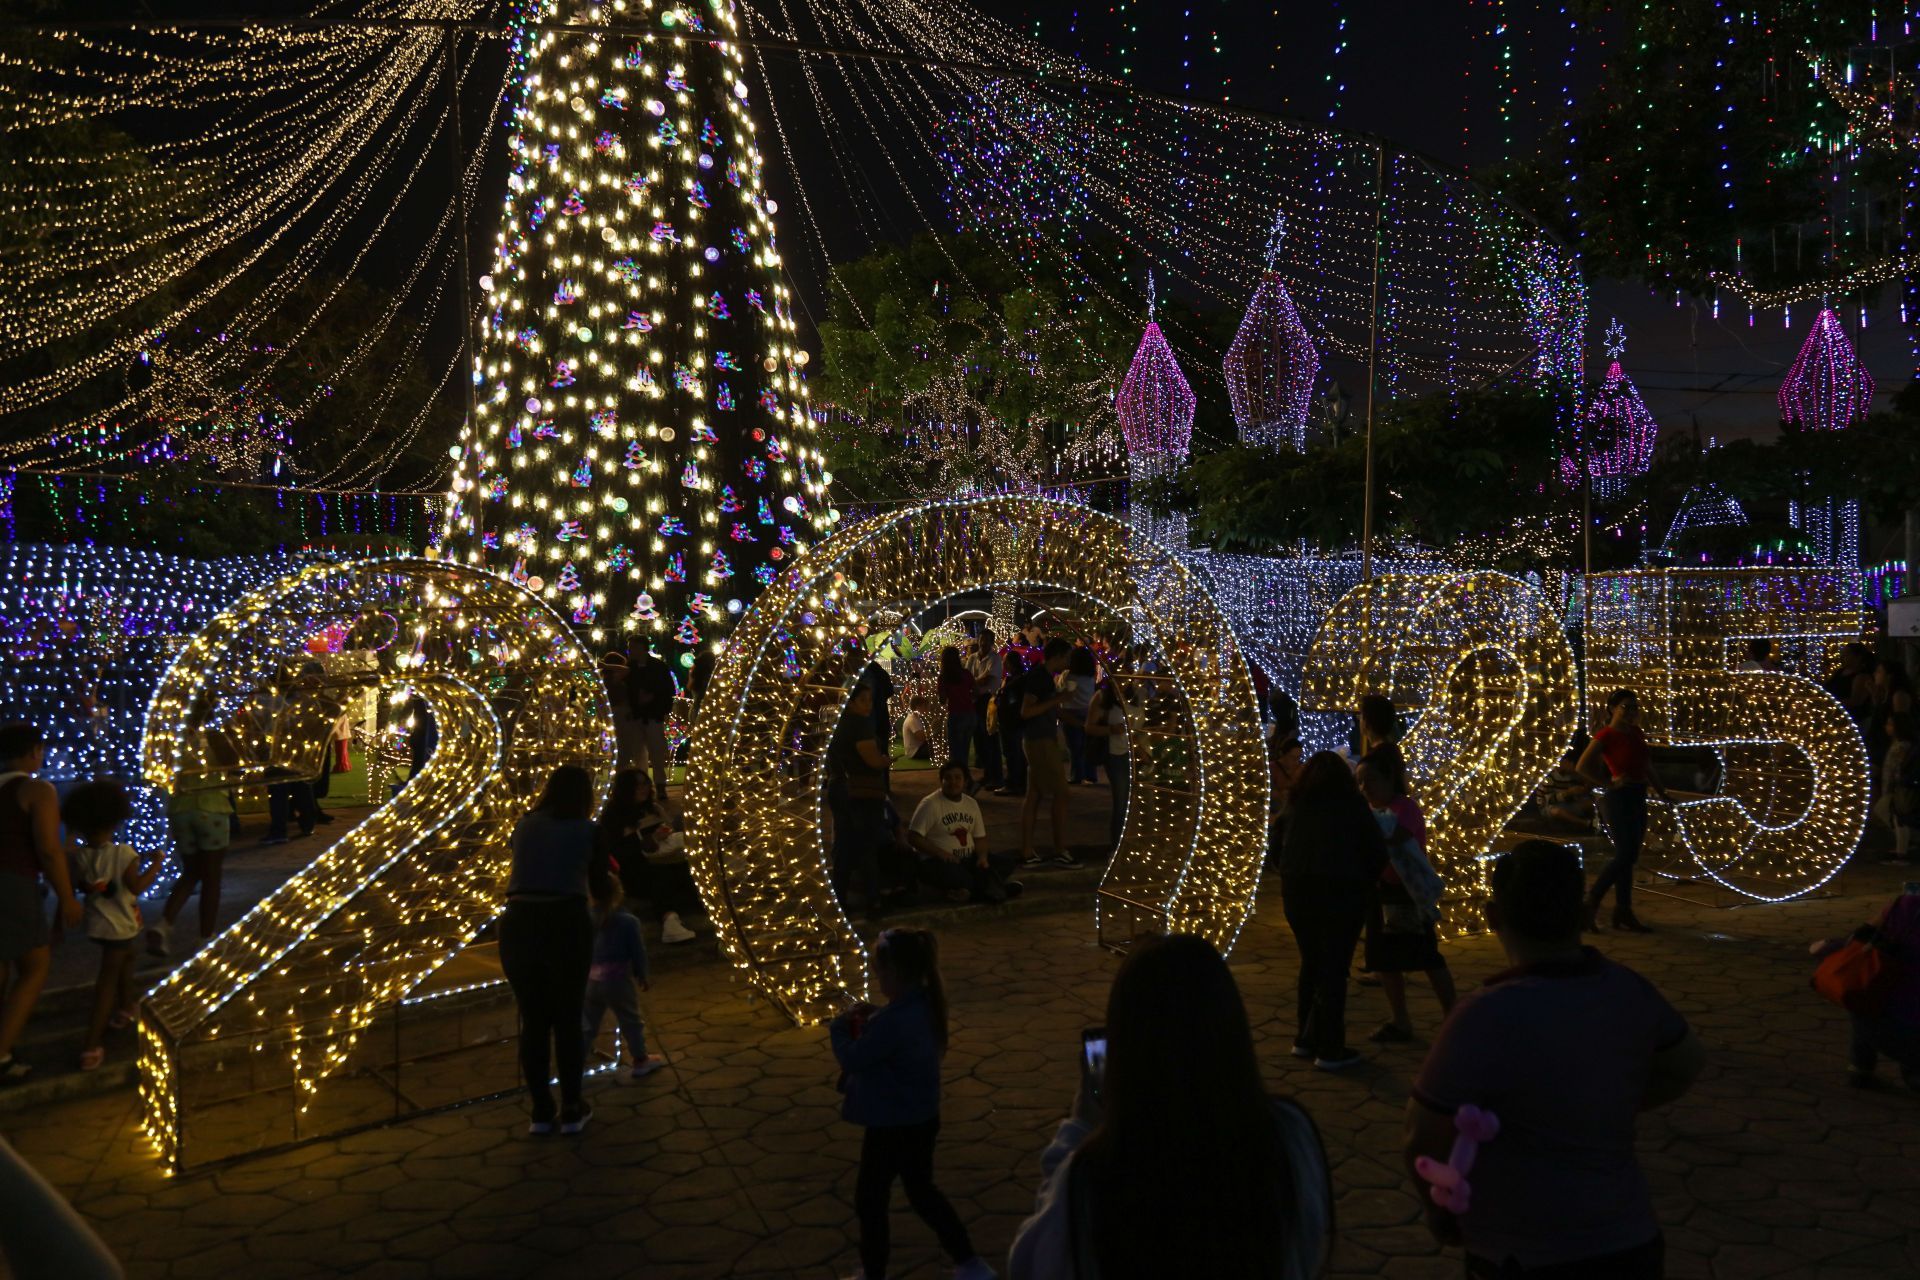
<point>448,70</point>
<point>1373,357</point>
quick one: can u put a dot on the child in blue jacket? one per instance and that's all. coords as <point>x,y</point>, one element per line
<point>890,1059</point>
<point>618,975</point>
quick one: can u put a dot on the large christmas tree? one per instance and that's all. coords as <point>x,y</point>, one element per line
<point>643,453</point>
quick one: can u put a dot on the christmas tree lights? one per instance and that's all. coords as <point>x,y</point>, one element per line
<point>1791,804</point>
<point>1195,831</point>
<point>1480,663</point>
<point>644,458</point>
<point>278,1005</point>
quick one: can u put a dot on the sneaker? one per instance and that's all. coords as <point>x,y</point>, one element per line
<point>975,1268</point>
<point>1300,1050</point>
<point>1338,1060</point>
<point>1629,923</point>
<point>1032,860</point>
<point>646,1067</point>
<point>540,1128</point>
<point>13,1071</point>
<point>574,1119</point>
<point>671,930</point>
<point>90,1059</point>
<point>1013,889</point>
<point>1391,1034</point>
<point>1064,858</point>
<point>1366,979</point>
<point>266,840</point>
<point>158,936</point>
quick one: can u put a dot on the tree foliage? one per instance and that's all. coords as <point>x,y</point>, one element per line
<point>1729,139</point>
<point>947,366</point>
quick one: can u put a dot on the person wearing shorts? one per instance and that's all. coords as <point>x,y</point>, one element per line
<point>201,828</point>
<point>1040,702</point>
<point>29,852</point>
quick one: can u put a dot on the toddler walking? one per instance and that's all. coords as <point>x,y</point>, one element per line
<point>890,1063</point>
<point>111,877</point>
<point>618,975</point>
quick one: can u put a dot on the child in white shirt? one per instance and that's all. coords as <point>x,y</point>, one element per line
<point>111,877</point>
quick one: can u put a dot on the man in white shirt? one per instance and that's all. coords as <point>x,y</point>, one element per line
<point>950,835</point>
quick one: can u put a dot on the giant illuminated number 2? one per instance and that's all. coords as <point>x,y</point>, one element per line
<point>1480,661</point>
<point>282,1000</point>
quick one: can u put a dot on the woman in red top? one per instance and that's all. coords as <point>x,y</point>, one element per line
<point>1619,760</point>
<point>956,694</point>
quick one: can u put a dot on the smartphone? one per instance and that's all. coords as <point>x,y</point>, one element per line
<point>1093,1060</point>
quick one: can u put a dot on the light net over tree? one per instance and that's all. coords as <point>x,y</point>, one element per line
<point>642,456</point>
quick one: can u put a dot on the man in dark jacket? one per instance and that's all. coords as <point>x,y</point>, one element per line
<point>650,701</point>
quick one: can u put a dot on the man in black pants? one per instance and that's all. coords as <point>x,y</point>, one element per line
<point>1012,752</point>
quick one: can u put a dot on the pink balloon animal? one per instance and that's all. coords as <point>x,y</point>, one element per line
<point>1450,1189</point>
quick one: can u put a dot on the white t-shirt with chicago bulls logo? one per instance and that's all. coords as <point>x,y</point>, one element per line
<point>939,820</point>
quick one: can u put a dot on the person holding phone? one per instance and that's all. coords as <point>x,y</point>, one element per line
<point>1171,1083</point>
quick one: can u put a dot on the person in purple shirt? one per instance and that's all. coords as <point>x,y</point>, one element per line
<point>1565,1048</point>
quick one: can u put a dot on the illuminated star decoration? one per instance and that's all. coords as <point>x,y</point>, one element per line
<point>1827,389</point>
<point>1617,433</point>
<point>1271,363</point>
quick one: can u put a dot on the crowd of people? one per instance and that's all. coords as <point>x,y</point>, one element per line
<point>1176,1082</point>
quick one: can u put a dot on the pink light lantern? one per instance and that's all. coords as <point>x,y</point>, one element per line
<point>1617,432</point>
<point>1155,404</point>
<point>1827,389</point>
<point>1271,363</point>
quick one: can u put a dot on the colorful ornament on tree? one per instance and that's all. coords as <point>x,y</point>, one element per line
<point>635,320</point>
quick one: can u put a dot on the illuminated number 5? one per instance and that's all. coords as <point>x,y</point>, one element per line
<point>1790,802</point>
<point>1481,664</point>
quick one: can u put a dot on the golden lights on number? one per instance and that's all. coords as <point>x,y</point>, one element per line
<point>1791,800</point>
<point>1480,663</point>
<point>1196,824</point>
<point>297,979</point>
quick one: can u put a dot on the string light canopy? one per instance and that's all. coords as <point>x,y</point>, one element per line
<point>1052,162</point>
<point>644,457</point>
<point>270,1020</point>
<point>1481,663</point>
<point>1271,362</point>
<point>1189,859</point>
<point>1791,805</point>
<point>1617,434</point>
<point>296,147</point>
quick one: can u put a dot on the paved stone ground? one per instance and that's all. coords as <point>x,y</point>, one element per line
<point>733,1163</point>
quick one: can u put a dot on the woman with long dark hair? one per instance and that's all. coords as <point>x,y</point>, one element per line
<point>636,833</point>
<point>1183,1165</point>
<point>956,690</point>
<point>546,942</point>
<point>1331,858</point>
